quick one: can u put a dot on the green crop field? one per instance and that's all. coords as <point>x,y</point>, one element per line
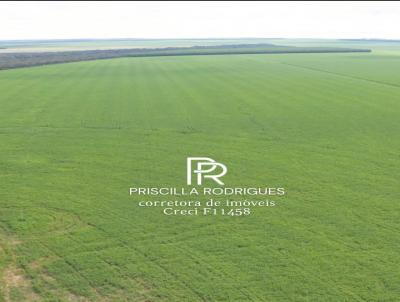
<point>75,137</point>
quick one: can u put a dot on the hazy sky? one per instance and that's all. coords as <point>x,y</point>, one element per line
<point>64,20</point>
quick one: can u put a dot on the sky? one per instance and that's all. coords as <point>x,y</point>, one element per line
<point>69,20</point>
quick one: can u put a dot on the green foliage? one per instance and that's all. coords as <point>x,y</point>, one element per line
<point>75,137</point>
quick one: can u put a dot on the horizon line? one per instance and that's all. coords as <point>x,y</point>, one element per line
<point>190,38</point>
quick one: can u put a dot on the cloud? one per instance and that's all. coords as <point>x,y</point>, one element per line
<point>63,20</point>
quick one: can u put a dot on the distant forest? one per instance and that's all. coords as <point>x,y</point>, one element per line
<point>26,59</point>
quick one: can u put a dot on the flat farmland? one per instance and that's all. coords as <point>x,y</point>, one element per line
<point>74,137</point>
